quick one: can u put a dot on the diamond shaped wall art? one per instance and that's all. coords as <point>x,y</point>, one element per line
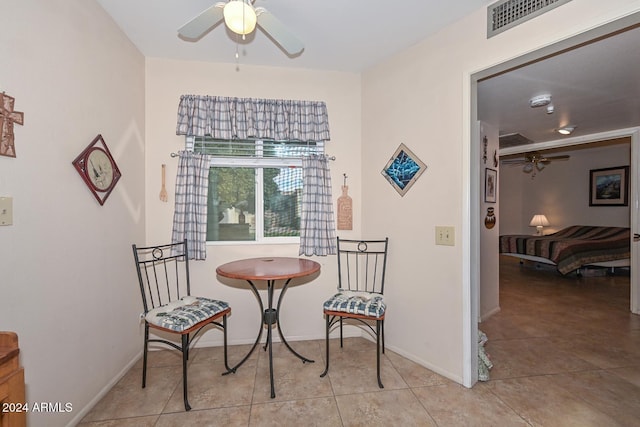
<point>403,169</point>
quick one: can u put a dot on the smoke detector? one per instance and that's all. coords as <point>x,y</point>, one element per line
<point>540,101</point>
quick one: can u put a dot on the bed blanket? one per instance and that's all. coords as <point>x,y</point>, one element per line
<point>574,246</point>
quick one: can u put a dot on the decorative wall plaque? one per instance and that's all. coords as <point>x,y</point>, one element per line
<point>345,208</point>
<point>98,169</point>
<point>7,119</point>
<point>403,169</point>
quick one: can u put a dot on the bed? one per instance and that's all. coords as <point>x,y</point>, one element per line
<point>573,248</point>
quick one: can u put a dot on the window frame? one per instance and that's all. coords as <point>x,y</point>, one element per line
<point>259,163</point>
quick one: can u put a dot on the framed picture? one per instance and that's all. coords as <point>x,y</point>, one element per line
<point>490,185</point>
<point>403,169</point>
<point>609,186</point>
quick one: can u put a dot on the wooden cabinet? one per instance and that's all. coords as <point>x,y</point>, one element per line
<point>11,383</point>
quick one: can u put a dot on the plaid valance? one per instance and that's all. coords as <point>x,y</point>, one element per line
<point>249,118</point>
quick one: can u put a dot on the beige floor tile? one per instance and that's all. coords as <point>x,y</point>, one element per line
<point>454,405</point>
<point>128,399</point>
<point>354,371</point>
<point>502,326</point>
<point>383,408</point>
<point>293,379</point>
<point>415,375</point>
<point>316,412</point>
<point>222,417</point>
<point>531,356</point>
<point>610,394</point>
<point>542,402</point>
<point>208,388</point>
<point>124,422</point>
<point>602,350</point>
<point>631,374</point>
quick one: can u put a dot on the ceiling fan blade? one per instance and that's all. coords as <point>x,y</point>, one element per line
<point>199,25</point>
<point>514,161</point>
<point>278,32</point>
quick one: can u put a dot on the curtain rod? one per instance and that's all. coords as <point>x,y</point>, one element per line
<point>328,157</point>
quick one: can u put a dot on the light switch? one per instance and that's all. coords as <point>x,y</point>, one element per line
<point>445,236</point>
<point>6,210</point>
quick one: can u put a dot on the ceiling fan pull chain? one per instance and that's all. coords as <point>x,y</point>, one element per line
<point>237,55</point>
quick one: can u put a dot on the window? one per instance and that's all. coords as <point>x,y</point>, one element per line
<point>255,188</point>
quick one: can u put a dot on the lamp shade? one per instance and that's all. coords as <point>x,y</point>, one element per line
<point>539,220</point>
<point>240,17</point>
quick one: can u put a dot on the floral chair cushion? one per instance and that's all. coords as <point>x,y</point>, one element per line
<point>364,303</point>
<point>180,315</point>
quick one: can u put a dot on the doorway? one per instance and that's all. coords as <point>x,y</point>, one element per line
<point>609,30</point>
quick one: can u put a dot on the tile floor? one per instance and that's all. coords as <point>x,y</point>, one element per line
<point>566,352</point>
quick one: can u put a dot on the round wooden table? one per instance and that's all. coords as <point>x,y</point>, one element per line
<point>269,269</point>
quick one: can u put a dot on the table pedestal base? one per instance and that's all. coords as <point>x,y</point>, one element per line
<point>269,317</point>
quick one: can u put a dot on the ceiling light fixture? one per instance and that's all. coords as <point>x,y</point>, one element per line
<point>566,130</point>
<point>240,16</point>
<point>540,101</point>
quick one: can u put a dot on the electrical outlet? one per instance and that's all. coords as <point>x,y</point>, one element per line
<point>445,236</point>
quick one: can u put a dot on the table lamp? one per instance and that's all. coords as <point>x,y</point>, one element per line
<point>539,221</point>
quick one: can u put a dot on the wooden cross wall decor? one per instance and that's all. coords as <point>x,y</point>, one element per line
<point>7,118</point>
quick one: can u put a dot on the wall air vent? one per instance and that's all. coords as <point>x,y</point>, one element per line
<point>506,14</point>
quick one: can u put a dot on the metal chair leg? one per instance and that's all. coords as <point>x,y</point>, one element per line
<point>340,332</point>
<point>224,332</point>
<point>378,326</point>
<point>144,357</point>
<point>185,355</point>
<point>326,368</point>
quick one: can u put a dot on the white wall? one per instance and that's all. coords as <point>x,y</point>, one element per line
<point>166,80</point>
<point>422,97</point>
<point>68,285</point>
<point>489,237</point>
<point>561,192</point>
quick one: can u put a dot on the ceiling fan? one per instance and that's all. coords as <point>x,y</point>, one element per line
<point>241,17</point>
<point>533,162</point>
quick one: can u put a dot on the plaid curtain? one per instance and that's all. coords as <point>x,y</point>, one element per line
<point>190,214</point>
<point>317,225</point>
<point>247,118</point>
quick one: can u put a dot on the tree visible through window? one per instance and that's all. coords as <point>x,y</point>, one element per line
<point>255,189</point>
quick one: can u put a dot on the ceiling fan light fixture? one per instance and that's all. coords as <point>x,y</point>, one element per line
<point>527,168</point>
<point>240,17</point>
<point>566,130</point>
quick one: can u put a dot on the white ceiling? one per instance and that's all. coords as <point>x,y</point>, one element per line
<point>340,35</point>
<point>595,87</point>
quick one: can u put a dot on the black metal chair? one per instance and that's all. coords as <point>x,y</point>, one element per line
<point>361,274</point>
<point>163,273</point>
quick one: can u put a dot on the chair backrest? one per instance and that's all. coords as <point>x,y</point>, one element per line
<point>163,273</point>
<point>362,265</point>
